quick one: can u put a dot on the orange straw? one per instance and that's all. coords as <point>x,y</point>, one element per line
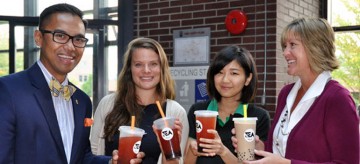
<point>161,113</point>
<point>160,109</point>
<point>132,122</point>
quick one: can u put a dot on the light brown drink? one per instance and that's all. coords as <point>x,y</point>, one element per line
<point>245,133</point>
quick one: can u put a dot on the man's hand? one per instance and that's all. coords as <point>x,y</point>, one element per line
<point>136,160</point>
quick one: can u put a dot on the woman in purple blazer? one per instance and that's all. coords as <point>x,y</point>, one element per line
<point>316,119</point>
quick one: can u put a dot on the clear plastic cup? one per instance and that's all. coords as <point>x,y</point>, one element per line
<point>245,129</point>
<point>129,143</point>
<point>205,120</point>
<point>169,137</point>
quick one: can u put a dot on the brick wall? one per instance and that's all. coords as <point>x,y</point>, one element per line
<point>158,19</point>
<point>286,11</point>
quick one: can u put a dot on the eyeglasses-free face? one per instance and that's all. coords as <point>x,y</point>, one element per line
<point>63,38</point>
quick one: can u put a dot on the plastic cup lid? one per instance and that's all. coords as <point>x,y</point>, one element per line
<point>206,113</point>
<point>135,130</point>
<point>245,119</point>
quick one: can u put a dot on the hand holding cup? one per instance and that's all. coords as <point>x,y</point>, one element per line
<point>212,147</point>
<point>168,137</point>
<point>205,120</point>
<point>245,129</point>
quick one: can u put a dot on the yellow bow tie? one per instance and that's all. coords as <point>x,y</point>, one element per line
<point>57,89</point>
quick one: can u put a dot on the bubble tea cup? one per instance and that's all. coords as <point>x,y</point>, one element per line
<point>129,143</point>
<point>169,137</point>
<point>245,129</point>
<point>205,120</point>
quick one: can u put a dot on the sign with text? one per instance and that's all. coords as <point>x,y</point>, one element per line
<point>190,84</point>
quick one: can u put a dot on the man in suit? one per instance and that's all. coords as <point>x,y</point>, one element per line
<point>37,123</point>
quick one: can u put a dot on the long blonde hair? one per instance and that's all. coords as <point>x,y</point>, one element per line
<point>125,102</point>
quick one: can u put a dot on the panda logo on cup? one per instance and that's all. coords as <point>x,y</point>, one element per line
<point>199,126</point>
<point>249,135</point>
<point>136,147</point>
<point>167,134</point>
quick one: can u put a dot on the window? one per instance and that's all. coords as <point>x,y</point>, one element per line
<point>343,15</point>
<point>98,67</point>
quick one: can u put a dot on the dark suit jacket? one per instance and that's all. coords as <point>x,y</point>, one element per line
<point>29,130</point>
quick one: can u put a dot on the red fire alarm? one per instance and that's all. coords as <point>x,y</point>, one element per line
<point>236,22</point>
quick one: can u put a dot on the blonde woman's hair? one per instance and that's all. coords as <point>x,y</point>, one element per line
<point>318,38</point>
<point>125,104</point>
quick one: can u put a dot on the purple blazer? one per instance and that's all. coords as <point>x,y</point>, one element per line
<point>329,131</point>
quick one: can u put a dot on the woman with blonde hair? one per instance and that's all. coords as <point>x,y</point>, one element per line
<point>316,119</point>
<point>144,79</point>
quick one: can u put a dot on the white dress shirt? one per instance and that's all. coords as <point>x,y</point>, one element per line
<point>64,114</point>
<point>281,134</point>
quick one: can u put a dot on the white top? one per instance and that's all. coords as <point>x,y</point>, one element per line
<point>280,135</point>
<point>173,109</point>
<point>64,114</point>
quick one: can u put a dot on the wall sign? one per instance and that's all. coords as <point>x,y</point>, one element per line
<point>191,46</point>
<point>190,84</point>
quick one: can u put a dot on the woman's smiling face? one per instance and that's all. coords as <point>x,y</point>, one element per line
<point>145,69</point>
<point>295,56</point>
<point>230,81</point>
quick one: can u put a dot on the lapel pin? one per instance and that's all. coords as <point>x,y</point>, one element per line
<point>77,102</point>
